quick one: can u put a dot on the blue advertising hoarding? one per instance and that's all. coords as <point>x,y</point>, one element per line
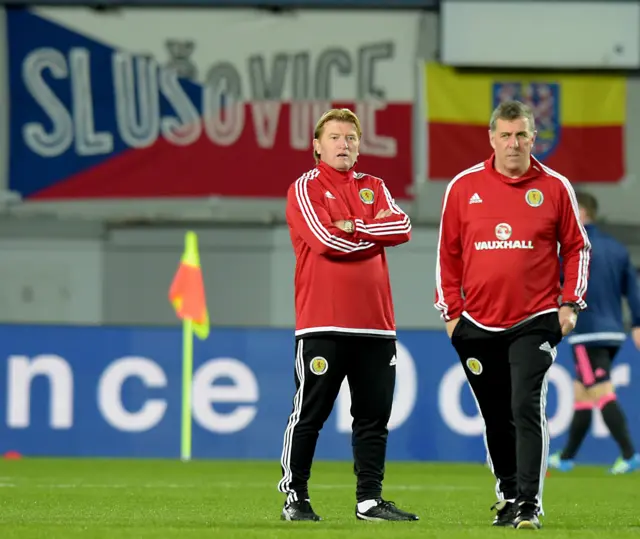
<point>91,391</point>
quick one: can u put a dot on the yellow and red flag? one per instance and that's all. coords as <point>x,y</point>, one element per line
<point>187,294</point>
<point>579,118</point>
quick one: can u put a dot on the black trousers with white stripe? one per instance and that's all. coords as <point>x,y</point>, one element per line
<point>507,372</point>
<point>321,365</point>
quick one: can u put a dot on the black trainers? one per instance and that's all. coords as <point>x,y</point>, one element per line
<point>505,513</point>
<point>385,511</point>
<point>300,510</point>
<point>527,517</point>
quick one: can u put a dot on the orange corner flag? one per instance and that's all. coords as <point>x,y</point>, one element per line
<point>187,293</point>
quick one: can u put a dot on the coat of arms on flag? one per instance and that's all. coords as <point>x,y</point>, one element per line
<point>544,100</point>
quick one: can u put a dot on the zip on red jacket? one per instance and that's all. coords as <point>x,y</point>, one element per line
<point>497,258</point>
<point>341,279</point>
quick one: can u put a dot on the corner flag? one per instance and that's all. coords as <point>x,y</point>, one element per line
<point>188,298</point>
<point>187,289</point>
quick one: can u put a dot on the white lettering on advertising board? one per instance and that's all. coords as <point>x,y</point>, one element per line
<point>241,390</point>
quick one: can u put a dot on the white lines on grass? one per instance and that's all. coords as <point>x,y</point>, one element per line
<point>221,485</point>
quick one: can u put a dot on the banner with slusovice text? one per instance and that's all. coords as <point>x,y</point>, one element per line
<point>116,392</point>
<point>580,120</point>
<point>176,103</point>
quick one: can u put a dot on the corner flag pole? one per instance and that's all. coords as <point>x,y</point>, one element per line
<point>187,387</point>
<point>187,296</point>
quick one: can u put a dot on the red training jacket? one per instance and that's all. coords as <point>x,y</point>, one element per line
<point>341,279</point>
<point>497,259</point>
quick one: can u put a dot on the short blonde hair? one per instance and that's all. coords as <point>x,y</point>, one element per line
<point>339,115</point>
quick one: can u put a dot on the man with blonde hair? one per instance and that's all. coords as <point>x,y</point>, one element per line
<point>340,222</point>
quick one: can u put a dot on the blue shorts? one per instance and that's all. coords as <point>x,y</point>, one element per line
<point>593,363</point>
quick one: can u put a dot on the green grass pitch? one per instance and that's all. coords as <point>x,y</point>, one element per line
<point>144,499</point>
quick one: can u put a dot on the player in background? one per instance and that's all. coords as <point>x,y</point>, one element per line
<point>596,340</point>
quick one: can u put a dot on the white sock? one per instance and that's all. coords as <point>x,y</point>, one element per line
<point>364,506</point>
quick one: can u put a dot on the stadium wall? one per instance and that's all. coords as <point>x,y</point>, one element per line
<point>78,272</point>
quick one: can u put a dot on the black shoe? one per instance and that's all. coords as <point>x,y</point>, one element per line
<point>385,511</point>
<point>527,517</point>
<point>301,510</point>
<point>506,513</point>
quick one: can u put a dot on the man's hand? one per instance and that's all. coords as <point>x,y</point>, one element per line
<point>568,319</point>
<point>345,226</point>
<point>635,335</point>
<point>384,213</point>
<point>451,326</point>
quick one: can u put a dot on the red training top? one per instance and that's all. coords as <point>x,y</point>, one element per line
<point>497,259</point>
<point>342,279</point>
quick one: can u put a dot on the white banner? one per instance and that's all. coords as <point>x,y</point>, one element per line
<point>295,54</point>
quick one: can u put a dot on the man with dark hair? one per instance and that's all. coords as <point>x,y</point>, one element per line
<point>596,341</point>
<point>340,222</point>
<point>588,207</point>
<point>497,288</point>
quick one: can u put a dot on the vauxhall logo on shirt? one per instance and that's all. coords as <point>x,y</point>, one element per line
<point>503,233</point>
